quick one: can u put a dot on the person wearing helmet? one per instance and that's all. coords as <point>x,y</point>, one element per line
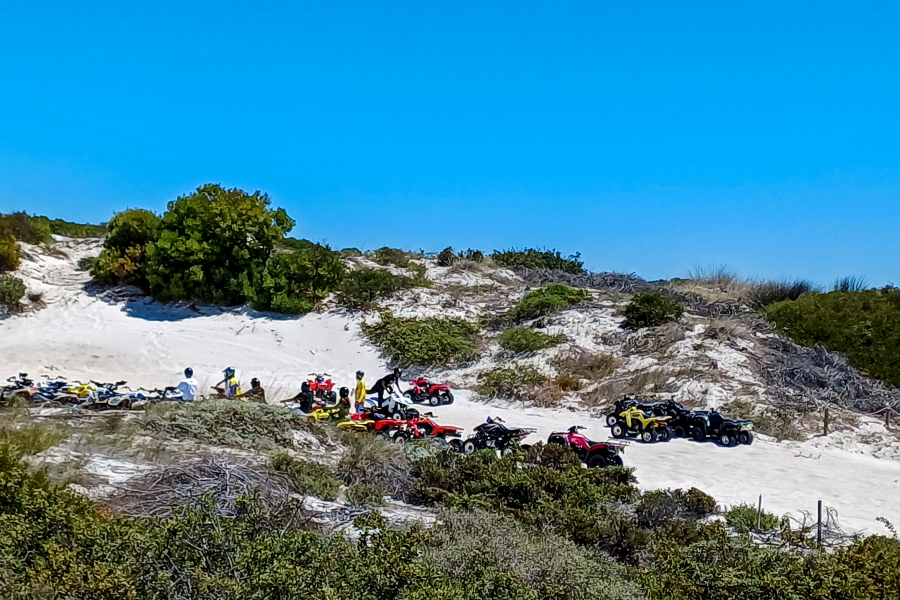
<point>387,384</point>
<point>306,399</point>
<point>232,386</point>
<point>188,386</point>
<point>256,392</point>
<point>343,403</point>
<point>360,392</point>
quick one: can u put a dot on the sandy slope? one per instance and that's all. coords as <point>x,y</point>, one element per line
<point>84,336</point>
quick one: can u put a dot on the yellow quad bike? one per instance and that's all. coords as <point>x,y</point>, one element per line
<point>325,414</point>
<point>360,423</point>
<point>636,423</point>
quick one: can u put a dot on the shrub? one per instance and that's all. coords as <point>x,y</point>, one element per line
<point>361,288</point>
<point>391,256</point>
<point>850,283</point>
<point>351,253</point>
<point>529,258</point>
<point>769,292</point>
<point>523,339</point>
<point>307,477</point>
<point>743,517</point>
<point>9,253</point>
<point>212,244</point>
<point>863,326</point>
<point>425,342</point>
<point>545,300</point>
<point>86,263</point>
<point>472,255</point>
<point>375,462</point>
<point>123,258</point>
<point>566,382</point>
<point>584,365</point>
<point>294,282</point>
<point>24,228</point>
<point>69,229</point>
<point>651,309</point>
<point>447,257</point>
<point>364,495</point>
<point>12,290</point>
<point>510,381</point>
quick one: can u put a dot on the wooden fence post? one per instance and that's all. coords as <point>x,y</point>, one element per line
<point>826,421</point>
<point>819,531</point>
<point>759,514</point>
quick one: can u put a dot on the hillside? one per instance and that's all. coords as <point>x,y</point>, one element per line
<point>718,354</point>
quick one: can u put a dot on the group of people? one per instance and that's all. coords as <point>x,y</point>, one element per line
<point>387,389</point>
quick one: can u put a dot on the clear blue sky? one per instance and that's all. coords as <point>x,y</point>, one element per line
<point>652,137</point>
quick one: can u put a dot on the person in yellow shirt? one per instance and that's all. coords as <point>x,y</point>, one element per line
<point>360,391</point>
<point>232,386</point>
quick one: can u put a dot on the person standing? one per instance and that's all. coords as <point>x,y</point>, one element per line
<point>360,392</point>
<point>188,386</point>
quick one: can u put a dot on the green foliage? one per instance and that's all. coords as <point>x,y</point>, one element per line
<point>660,507</point>
<point>512,380</point>
<point>361,288</point>
<point>69,229</point>
<point>863,326</point>
<point>374,463</point>
<point>851,283</point>
<point>446,257</point>
<point>10,256</point>
<point>212,244</point>
<point>391,256</point>
<point>529,258</point>
<point>306,477</point>
<point>123,258</point>
<point>743,518</point>
<point>650,309</point>
<point>550,298</point>
<point>364,494</point>
<point>424,342</point>
<point>29,438</point>
<point>24,228</point>
<point>12,290</point>
<point>293,282</point>
<point>523,339</point>
<point>769,292</point>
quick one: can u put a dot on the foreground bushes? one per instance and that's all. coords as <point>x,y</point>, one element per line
<point>12,290</point>
<point>123,257</point>
<point>294,282</point>
<point>530,258</point>
<point>424,342</point>
<point>864,326</point>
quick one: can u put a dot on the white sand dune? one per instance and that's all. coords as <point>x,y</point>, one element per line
<point>85,336</point>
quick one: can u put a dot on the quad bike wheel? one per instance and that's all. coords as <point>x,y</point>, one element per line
<point>397,416</point>
<point>727,440</point>
<point>649,436</point>
<point>448,398</point>
<point>597,461</point>
<point>456,445</point>
<point>664,434</point>
<point>679,432</point>
<point>469,447</point>
<point>401,437</point>
<point>616,461</point>
<point>557,440</point>
<point>434,400</point>
<point>697,434</point>
<point>745,437</point>
<point>618,431</point>
<point>611,420</point>
<point>507,451</point>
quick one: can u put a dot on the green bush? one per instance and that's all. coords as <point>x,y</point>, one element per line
<point>509,381</point>
<point>212,244</point>
<point>361,288</point>
<point>69,229</point>
<point>294,282</point>
<point>364,494</point>
<point>24,228</point>
<point>424,342</point>
<point>306,477</point>
<point>12,290</point>
<point>523,339</point>
<point>123,258</point>
<point>391,256</point>
<point>447,257</point>
<point>650,309</point>
<point>863,326</point>
<point>9,253</point>
<point>743,518</point>
<point>545,300</point>
<point>530,258</point>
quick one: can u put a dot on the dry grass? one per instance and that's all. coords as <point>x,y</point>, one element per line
<point>724,329</point>
<point>579,363</point>
<point>371,460</point>
<point>713,283</point>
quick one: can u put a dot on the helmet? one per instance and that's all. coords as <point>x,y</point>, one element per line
<point>359,374</point>
<point>304,387</point>
<point>254,383</point>
<point>397,373</point>
<point>189,372</point>
<point>229,371</point>
<point>344,392</point>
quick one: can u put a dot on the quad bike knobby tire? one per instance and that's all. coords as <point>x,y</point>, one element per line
<point>507,451</point>
<point>434,400</point>
<point>456,445</point>
<point>397,416</point>
<point>611,420</point>
<point>469,447</point>
<point>745,437</point>
<point>697,434</point>
<point>649,436</point>
<point>448,398</point>
<point>401,437</point>
<point>616,461</point>
<point>664,434</point>
<point>679,432</point>
<point>618,431</point>
<point>597,461</point>
<point>557,440</point>
<point>727,440</point>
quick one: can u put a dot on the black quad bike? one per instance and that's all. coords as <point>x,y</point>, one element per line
<point>728,432</point>
<point>495,434</point>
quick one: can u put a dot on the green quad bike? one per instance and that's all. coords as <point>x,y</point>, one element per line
<point>634,422</point>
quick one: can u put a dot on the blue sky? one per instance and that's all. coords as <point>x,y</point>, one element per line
<point>651,137</point>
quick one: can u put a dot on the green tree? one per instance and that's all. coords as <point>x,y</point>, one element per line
<point>212,244</point>
<point>293,282</point>
<point>123,258</point>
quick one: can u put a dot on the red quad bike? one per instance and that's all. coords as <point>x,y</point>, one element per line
<point>322,388</point>
<point>422,390</point>
<point>595,455</point>
<point>426,425</point>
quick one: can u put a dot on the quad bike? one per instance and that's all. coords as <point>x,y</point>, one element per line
<point>728,432</point>
<point>400,412</point>
<point>105,395</point>
<point>397,431</point>
<point>326,413</point>
<point>422,390</point>
<point>595,455</point>
<point>620,406</point>
<point>426,425</point>
<point>17,386</point>
<point>322,388</point>
<point>636,423</point>
<point>51,391</point>
<point>496,435</point>
<point>357,422</point>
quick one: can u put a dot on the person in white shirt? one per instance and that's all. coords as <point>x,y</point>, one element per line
<point>188,386</point>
